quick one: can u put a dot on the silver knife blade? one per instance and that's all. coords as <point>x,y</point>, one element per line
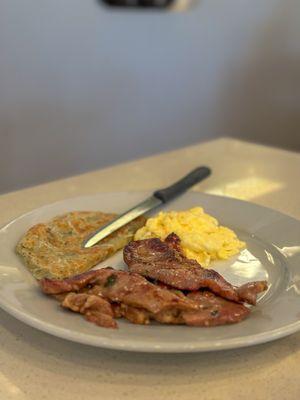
<point>123,219</point>
<point>158,198</point>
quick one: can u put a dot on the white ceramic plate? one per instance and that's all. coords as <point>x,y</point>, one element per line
<point>273,253</point>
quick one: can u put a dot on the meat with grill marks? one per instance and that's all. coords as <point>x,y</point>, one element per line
<point>94,308</point>
<point>163,261</point>
<point>213,311</point>
<point>120,287</point>
<point>106,294</point>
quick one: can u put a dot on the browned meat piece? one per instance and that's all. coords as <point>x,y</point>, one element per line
<point>132,314</point>
<point>164,262</point>
<point>139,301</point>
<point>214,310</point>
<point>120,287</point>
<point>73,284</point>
<point>94,308</point>
<point>250,290</point>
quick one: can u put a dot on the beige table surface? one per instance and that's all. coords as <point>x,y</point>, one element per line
<point>35,365</point>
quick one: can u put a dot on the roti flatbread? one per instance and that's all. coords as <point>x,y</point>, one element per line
<point>54,249</point>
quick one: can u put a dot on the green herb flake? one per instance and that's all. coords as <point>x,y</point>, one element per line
<point>110,281</point>
<point>214,313</point>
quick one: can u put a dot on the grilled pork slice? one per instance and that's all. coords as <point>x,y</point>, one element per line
<point>135,315</point>
<point>73,284</point>
<point>213,310</point>
<point>105,294</point>
<point>120,287</point>
<point>250,290</point>
<point>164,262</point>
<point>94,308</point>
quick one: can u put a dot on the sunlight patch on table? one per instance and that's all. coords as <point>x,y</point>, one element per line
<point>10,388</point>
<point>247,188</point>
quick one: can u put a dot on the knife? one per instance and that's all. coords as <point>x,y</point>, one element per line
<point>158,198</point>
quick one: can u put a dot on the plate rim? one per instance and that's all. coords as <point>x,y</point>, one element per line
<point>137,346</point>
<point>112,344</point>
<point>147,193</point>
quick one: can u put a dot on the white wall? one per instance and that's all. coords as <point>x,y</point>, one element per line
<point>82,86</point>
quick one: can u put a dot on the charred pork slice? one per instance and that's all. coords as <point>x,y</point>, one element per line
<point>213,311</point>
<point>120,287</point>
<point>94,308</point>
<point>105,294</point>
<point>164,262</point>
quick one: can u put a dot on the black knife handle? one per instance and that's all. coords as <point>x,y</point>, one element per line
<point>183,184</point>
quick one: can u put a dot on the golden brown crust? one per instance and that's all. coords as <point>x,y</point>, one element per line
<point>54,249</point>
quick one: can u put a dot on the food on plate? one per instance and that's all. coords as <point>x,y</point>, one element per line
<point>94,308</point>
<point>165,262</point>
<point>202,238</point>
<point>104,294</point>
<point>212,311</point>
<point>162,283</point>
<point>119,286</point>
<point>215,310</point>
<point>54,249</point>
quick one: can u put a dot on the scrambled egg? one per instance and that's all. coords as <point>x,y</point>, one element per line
<point>202,238</point>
